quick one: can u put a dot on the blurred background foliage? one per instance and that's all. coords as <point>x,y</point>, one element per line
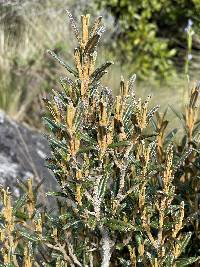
<point>150,34</point>
<point>146,37</point>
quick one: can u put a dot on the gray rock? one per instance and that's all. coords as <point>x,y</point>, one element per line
<point>22,155</point>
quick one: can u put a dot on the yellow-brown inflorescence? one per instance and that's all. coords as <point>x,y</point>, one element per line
<point>28,258</point>
<point>105,128</point>
<point>118,119</point>
<point>7,234</point>
<point>10,234</point>
<point>31,198</point>
<point>141,113</point>
<point>78,195</point>
<point>161,127</point>
<point>191,111</point>
<point>84,56</point>
<point>74,141</point>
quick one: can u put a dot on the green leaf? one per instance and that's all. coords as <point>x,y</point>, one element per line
<point>179,115</point>
<point>101,69</point>
<point>182,159</point>
<point>68,225</point>
<point>124,263</point>
<point>119,225</point>
<point>120,246</point>
<point>57,143</point>
<point>127,115</point>
<point>20,203</point>
<point>92,44</point>
<point>51,125</point>
<point>184,242</point>
<point>168,259</point>
<point>75,73</point>
<point>186,261</point>
<point>30,237</point>
<point>86,149</point>
<point>21,215</point>
<point>153,124</point>
<point>56,194</point>
<point>171,135</point>
<point>119,144</point>
<point>38,186</point>
<point>196,129</point>
<point>103,185</point>
<point>98,76</point>
<point>172,52</point>
<point>85,136</point>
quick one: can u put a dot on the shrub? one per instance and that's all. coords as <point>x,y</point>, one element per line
<point>128,193</point>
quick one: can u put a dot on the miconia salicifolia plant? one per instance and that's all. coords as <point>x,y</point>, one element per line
<point>121,200</point>
<point>121,203</point>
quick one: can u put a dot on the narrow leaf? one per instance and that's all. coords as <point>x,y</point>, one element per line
<point>63,63</point>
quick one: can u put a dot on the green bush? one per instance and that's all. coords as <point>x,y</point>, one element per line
<point>128,193</point>
<point>149,32</point>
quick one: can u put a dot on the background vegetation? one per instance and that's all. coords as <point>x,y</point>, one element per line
<point>151,34</point>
